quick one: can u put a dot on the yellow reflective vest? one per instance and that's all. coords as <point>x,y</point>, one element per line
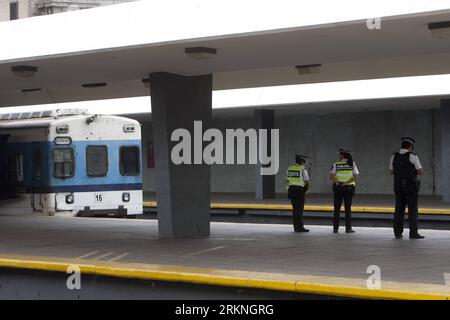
<point>295,176</point>
<point>344,172</point>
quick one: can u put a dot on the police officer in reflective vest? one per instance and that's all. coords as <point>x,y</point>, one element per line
<point>298,183</point>
<point>405,166</point>
<point>344,174</point>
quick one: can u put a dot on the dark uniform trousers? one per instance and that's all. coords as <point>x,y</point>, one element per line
<point>297,196</point>
<point>406,195</point>
<point>343,194</point>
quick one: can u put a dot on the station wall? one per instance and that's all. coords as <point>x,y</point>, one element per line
<point>372,136</point>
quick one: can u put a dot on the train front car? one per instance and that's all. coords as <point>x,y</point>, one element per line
<point>96,166</point>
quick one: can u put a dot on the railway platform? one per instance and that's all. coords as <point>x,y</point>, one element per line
<point>237,256</point>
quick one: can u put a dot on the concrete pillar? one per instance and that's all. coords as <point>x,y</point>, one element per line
<point>445,149</point>
<point>182,191</point>
<point>264,185</point>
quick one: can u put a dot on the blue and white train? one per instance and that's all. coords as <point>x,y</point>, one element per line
<point>68,162</point>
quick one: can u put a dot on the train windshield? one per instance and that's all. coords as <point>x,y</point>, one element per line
<point>97,161</point>
<point>63,163</point>
<point>129,161</point>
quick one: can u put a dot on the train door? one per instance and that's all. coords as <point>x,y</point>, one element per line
<point>4,192</point>
<point>36,184</point>
<point>64,168</point>
<point>15,172</point>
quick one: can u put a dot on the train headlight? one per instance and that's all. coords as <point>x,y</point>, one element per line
<point>70,198</point>
<point>125,197</point>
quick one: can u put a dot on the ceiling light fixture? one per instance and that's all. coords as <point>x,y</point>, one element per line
<point>24,71</point>
<point>200,53</point>
<point>31,90</point>
<point>440,30</point>
<point>308,68</point>
<point>94,85</point>
<point>146,82</point>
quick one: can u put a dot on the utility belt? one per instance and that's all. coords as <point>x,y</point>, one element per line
<point>408,185</point>
<point>295,191</point>
<point>343,187</point>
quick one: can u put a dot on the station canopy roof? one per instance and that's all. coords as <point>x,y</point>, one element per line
<point>258,43</point>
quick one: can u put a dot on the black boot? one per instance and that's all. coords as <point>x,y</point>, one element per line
<point>416,236</point>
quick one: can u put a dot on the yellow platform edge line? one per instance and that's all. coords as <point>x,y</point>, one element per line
<point>314,208</point>
<point>205,277</point>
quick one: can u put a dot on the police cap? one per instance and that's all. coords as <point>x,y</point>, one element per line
<point>301,157</point>
<point>409,140</point>
<point>343,150</point>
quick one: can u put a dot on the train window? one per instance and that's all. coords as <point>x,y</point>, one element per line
<point>97,161</point>
<point>129,161</point>
<point>63,163</point>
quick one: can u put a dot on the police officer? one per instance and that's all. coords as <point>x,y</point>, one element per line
<point>344,174</point>
<point>405,166</point>
<point>298,183</point>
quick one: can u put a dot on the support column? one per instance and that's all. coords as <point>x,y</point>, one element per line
<point>3,165</point>
<point>445,149</point>
<point>264,185</point>
<point>182,191</point>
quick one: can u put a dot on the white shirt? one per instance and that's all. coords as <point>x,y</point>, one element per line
<point>355,168</point>
<point>305,175</point>
<point>414,159</point>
